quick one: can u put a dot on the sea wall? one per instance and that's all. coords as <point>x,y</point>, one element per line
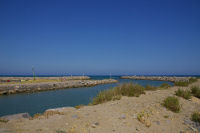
<point>19,79</point>
<point>159,78</point>
<point>6,89</point>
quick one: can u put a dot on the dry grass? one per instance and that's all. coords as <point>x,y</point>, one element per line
<point>196,91</point>
<point>183,93</point>
<point>172,103</point>
<point>127,89</point>
<point>196,117</point>
<point>185,83</point>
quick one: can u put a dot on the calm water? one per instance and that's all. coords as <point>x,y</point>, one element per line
<point>39,102</point>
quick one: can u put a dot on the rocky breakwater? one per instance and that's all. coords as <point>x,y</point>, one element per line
<point>159,78</point>
<point>6,89</point>
<point>21,79</point>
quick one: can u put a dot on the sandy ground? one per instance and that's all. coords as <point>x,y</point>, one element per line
<point>114,117</point>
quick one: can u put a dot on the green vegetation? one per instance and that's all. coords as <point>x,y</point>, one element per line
<point>183,93</point>
<point>79,106</point>
<point>165,85</point>
<point>196,91</point>
<point>166,116</point>
<point>185,83</point>
<point>196,117</point>
<point>128,89</point>
<point>3,120</point>
<point>153,88</point>
<point>150,88</point>
<point>172,103</point>
<point>192,80</point>
<point>181,83</point>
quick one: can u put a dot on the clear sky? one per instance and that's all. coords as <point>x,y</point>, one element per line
<point>100,36</point>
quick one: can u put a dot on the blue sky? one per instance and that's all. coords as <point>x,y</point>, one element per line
<point>100,36</point>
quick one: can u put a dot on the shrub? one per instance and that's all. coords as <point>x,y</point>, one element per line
<point>196,91</point>
<point>165,85</point>
<point>192,80</point>
<point>79,106</point>
<point>128,89</point>
<point>181,83</point>
<point>172,103</point>
<point>196,117</point>
<point>106,95</point>
<point>183,93</point>
<point>3,120</point>
<point>150,88</point>
<point>185,83</point>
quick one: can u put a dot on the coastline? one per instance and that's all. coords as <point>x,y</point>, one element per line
<point>113,116</point>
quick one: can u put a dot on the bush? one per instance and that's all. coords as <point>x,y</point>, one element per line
<point>192,80</point>
<point>185,83</point>
<point>79,106</point>
<point>165,85</point>
<point>196,117</point>
<point>181,83</point>
<point>106,95</point>
<point>172,103</point>
<point>196,91</point>
<point>128,89</point>
<point>183,93</point>
<point>150,88</point>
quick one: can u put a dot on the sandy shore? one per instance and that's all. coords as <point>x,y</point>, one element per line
<point>113,117</point>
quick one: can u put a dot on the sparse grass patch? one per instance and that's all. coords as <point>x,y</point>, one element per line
<point>37,115</point>
<point>185,83</point>
<point>150,88</point>
<point>165,85</point>
<point>196,117</point>
<point>143,117</point>
<point>130,89</point>
<point>3,120</point>
<point>183,93</point>
<point>166,116</point>
<point>106,95</point>
<point>79,106</point>
<point>127,89</point>
<point>192,80</point>
<point>181,83</point>
<point>196,91</point>
<point>172,103</point>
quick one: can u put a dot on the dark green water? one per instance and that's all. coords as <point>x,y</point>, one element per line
<point>41,101</point>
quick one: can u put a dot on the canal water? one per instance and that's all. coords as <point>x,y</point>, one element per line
<point>39,102</point>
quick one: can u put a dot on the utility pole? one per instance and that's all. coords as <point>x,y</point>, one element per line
<point>33,71</point>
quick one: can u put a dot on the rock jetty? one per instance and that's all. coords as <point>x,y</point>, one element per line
<point>20,79</point>
<point>159,78</point>
<point>6,89</point>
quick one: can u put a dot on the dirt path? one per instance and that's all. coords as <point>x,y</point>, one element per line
<point>113,117</point>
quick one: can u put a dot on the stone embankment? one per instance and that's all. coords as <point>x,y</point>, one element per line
<point>44,86</point>
<point>159,78</point>
<point>20,79</point>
